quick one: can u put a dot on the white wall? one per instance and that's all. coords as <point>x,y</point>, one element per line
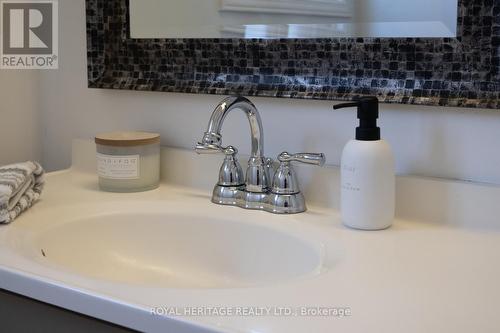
<point>20,133</point>
<point>455,143</point>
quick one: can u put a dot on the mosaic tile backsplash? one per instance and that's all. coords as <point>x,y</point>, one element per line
<point>462,71</point>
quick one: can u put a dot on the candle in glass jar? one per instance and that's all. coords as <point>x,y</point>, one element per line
<point>128,161</point>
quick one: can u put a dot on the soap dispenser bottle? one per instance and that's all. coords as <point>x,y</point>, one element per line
<point>367,172</point>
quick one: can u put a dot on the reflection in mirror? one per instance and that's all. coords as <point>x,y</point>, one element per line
<point>292,18</point>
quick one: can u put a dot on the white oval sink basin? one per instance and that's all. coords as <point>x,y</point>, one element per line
<point>176,251</point>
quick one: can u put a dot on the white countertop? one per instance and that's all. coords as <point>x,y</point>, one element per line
<point>413,277</point>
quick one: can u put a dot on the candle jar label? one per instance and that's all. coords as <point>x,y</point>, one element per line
<point>118,167</point>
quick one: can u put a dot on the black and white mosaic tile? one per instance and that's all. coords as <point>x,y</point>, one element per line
<point>462,71</point>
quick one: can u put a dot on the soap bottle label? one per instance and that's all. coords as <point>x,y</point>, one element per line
<point>348,180</point>
<point>118,167</point>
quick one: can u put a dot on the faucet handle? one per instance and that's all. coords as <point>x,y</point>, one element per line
<point>285,196</point>
<point>202,148</point>
<point>229,151</point>
<point>307,158</point>
<point>285,180</point>
<point>230,173</point>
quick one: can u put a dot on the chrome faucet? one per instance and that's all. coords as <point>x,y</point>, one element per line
<point>255,190</point>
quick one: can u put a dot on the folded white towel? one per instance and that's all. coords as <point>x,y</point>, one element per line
<point>20,187</point>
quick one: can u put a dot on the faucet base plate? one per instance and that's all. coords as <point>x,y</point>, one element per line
<point>227,195</point>
<point>269,202</point>
<point>286,203</point>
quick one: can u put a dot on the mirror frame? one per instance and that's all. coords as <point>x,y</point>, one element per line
<point>460,72</point>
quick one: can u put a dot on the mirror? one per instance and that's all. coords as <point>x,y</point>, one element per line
<point>268,19</point>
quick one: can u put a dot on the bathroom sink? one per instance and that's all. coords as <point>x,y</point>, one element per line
<point>131,258</point>
<point>167,250</point>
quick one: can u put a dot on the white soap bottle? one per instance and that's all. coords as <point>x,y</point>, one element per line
<point>367,173</point>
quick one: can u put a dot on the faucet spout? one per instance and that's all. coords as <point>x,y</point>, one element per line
<point>213,137</point>
<point>257,174</point>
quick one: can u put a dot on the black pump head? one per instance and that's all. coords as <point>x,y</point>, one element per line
<point>367,115</point>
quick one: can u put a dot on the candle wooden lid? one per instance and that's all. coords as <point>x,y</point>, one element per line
<point>127,139</point>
